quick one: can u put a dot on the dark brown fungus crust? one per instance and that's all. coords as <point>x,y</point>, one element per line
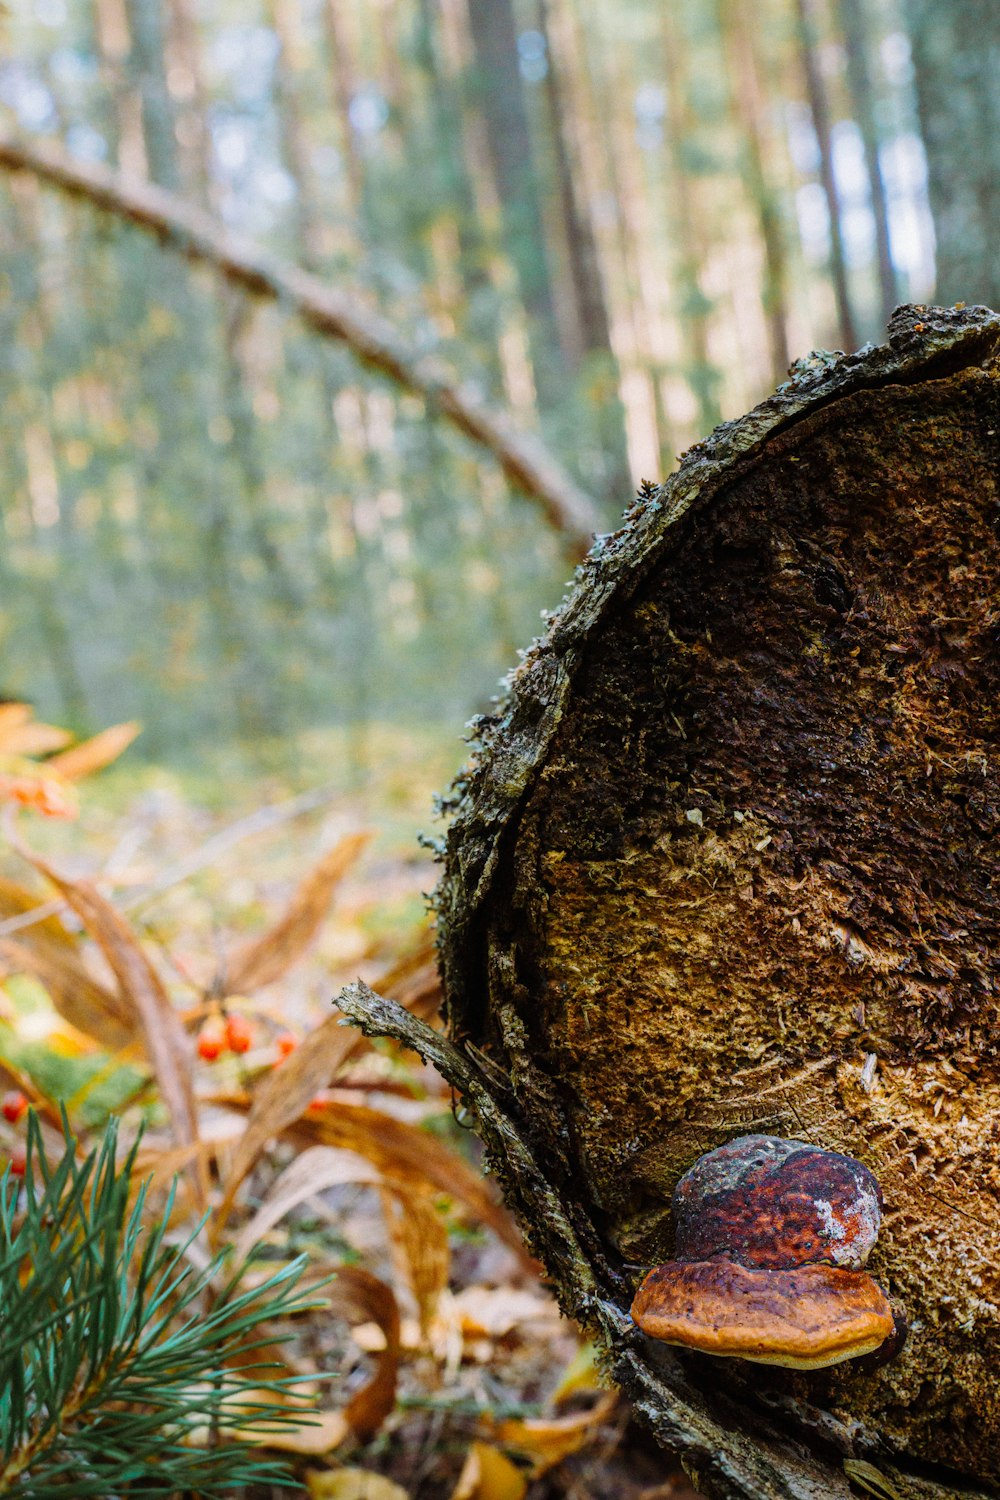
<point>771,1203</point>
<point>806,1318</point>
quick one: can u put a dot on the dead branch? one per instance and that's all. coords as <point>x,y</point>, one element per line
<point>335,314</point>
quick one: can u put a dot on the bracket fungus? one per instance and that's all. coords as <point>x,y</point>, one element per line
<point>771,1238</point>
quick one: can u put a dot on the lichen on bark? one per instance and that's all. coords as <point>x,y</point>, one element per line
<point>725,861</point>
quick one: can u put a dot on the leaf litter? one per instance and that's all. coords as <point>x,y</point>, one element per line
<point>438,1365</point>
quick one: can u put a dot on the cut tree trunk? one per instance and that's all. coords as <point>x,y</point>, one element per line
<point>726,861</point>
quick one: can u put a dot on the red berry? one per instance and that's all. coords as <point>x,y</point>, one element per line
<point>13,1105</point>
<point>18,1161</point>
<point>211,1043</point>
<point>286,1042</point>
<point>239,1034</point>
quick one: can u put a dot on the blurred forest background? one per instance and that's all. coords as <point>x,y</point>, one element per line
<point>598,227</point>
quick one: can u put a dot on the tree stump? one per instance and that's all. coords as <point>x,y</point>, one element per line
<point>726,862</point>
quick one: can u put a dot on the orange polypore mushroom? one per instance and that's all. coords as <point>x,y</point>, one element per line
<point>771,1235</point>
<point>806,1318</point>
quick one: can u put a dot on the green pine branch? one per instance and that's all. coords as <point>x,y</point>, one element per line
<point>115,1373</point>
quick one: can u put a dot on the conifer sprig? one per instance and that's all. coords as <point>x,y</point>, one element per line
<point>115,1352</point>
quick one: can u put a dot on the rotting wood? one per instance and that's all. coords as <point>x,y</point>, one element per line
<point>725,860</point>
<point>335,314</point>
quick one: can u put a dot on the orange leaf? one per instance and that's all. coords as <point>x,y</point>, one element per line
<point>163,1036</point>
<point>32,739</point>
<point>283,1096</point>
<point>270,956</point>
<point>41,793</point>
<point>12,716</point>
<point>489,1475</point>
<point>93,754</point>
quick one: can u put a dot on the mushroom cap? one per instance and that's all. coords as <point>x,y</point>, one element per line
<point>762,1201</point>
<point>805,1318</point>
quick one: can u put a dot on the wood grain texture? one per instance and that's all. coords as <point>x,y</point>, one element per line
<point>726,861</point>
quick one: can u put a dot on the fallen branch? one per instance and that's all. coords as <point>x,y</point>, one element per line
<point>338,315</point>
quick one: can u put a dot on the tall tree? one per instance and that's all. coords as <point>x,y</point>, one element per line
<point>855,24</point>
<point>744,71</point>
<point>819,108</point>
<point>499,93</point>
<point>956,57</point>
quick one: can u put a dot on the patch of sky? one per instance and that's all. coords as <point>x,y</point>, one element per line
<point>532,56</point>
<point>368,111</point>
<point>27,96</point>
<point>243,57</point>
<point>86,143</point>
<point>650,107</point>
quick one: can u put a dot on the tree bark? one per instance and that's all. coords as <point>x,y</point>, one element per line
<point>726,861</point>
<point>335,314</point>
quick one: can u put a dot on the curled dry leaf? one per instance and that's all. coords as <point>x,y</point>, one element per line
<point>363,1298</point>
<point>94,754</point>
<point>546,1441</point>
<point>282,1097</point>
<point>140,986</point>
<point>313,1171</point>
<point>488,1474</point>
<point>358,1297</point>
<point>397,1147</point>
<point>270,956</point>
<point>417,1232</point>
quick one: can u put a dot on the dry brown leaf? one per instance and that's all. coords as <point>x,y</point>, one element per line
<point>283,1095</point>
<point>78,998</point>
<point>270,956</point>
<point>401,1149</point>
<point>363,1298</point>
<point>163,1036</point>
<point>489,1474</point>
<point>418,1238</point>
<point>352,1484</point>
<point>548,1440</point>
<point>93,754</point>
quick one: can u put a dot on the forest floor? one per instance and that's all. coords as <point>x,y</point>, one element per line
<point>492,1395</point>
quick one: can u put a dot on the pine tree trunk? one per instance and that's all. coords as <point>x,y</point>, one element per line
<point>726,861</point>
<point>956,58</point>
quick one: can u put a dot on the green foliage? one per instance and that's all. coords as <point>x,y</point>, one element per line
<point>117,1373</point>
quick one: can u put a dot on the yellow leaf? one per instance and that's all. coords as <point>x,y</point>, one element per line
<point>489,1475</point>
<point>351,1484</point>
<point>581,1374</point>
